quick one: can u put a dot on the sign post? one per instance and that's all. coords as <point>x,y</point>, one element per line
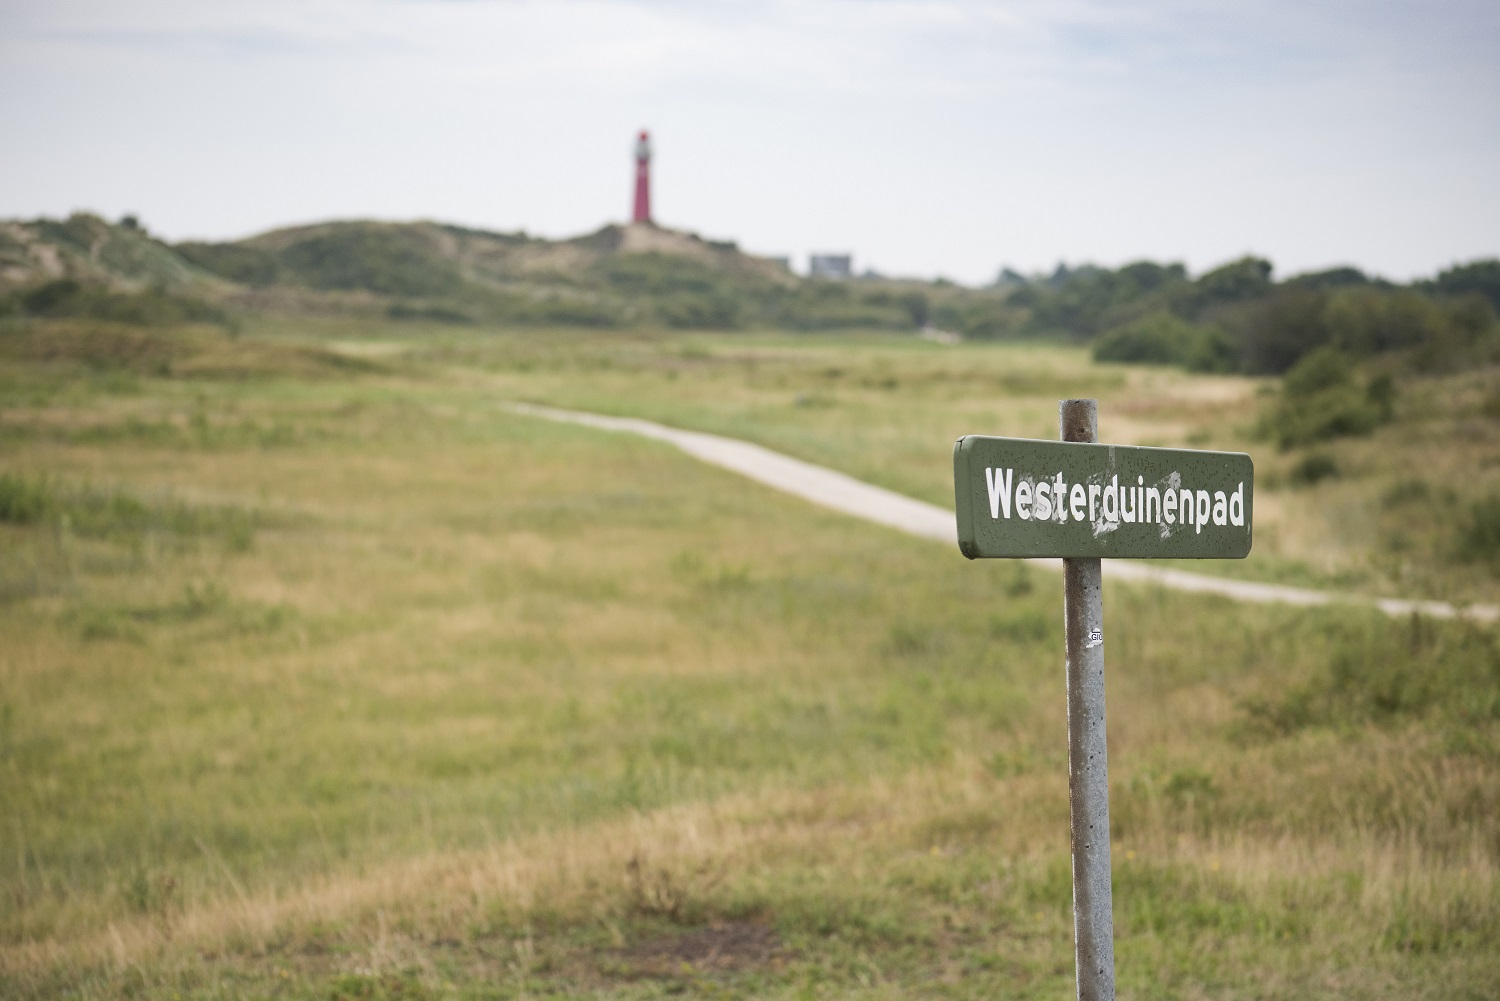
<point>1088,764</point>
<point>1083,501</point>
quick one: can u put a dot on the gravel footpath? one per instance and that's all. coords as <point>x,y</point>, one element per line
<point>843,493</point>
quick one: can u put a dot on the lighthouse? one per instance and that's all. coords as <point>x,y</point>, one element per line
<point>642,212</point>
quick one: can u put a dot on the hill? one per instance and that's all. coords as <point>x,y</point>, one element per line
<point>617,276</point>
<point>1233,318</point>
<point>86,249</point>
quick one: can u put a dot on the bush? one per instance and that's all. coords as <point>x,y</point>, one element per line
<point>24,500</point>
<point>714,311</point>
<point>1088,300</point>
<point>1163,339</point>
<point>1477,277</point>
<point>1435,333</point>
<point>1479,535</point>
<point>56,298</point>
<point>1367,321</point>
<point>1375,670</point>
<point>119,516</point>
<point>1314,468</point>
<point>660,274</point>
<point>1330,279</point>
<point>247,265</point>
<point>1246,278</point>
<point>1284,328</point>
<point>1321,399</point>
<point>377,258</point>
<point>1318,372</point>
<point>65,298</point>
<point>1334,413</point>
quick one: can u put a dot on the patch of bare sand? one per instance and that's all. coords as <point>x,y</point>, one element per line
<point>721,947</point>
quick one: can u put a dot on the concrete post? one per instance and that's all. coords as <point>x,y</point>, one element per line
<point>1088,769</point>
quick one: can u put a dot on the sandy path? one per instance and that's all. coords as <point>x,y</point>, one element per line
<point>843,493</point>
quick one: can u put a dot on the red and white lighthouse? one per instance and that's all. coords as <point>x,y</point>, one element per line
<point>642,212</point>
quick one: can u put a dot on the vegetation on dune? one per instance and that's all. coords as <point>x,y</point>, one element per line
<point>250,266</point>
<point>1233,318</point>
<point>116,354</point>
<point>383,259</point>
<point>66,298</point>
<point>1164,339</point>
<point>88,249</point>
<point>1476,278</point>
<point>1087,301</point>
<point>1344,341</point>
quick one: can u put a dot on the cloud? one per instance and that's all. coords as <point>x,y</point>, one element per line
<point>945,136</point>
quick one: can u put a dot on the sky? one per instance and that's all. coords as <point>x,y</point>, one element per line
<point>928,139</point>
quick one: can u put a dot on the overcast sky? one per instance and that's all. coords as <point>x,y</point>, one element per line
<point>943,138</point>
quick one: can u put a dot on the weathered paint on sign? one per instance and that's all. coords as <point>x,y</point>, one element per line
<point>1022,497</point>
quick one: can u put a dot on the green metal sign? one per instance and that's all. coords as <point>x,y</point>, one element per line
<point>1022,497</point>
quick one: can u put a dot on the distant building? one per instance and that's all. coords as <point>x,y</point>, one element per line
<point>830,265</point>
<point>785,262</point>
<point>641,210</point>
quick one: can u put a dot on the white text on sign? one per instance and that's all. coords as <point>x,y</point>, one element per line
<point>1166,503</point>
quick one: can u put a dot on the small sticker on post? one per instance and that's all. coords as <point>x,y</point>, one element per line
<point>1096,638</point>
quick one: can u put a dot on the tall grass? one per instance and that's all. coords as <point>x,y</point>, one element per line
<point>493,707</point>
<point>874,407</point>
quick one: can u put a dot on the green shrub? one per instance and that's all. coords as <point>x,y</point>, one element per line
<point>1088,300</point>
<point>661,274</point>
<point>1479,533</point>
<point>384,259</point>
<point>1246,278</point>
<point>1435,333</point>
<point>1314,468</point>
<point>1367,321</point>
<point>1476,277</point>
<point>237,262</point>
<point>1333,413</point>
<point>1383,671</point>
<point>1381,392</point>
<point>1490,405</point>
<point>24,500</point>
<point>1163,339</point>
<point>56,298</point>
<point>1321,399</point>
<point>1283,327</point>
<point>118,516</point>
<point>1318,372</point>
<point>65,298</point>
<point>1406,491</point>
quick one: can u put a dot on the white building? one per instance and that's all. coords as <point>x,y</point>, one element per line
<point>830,265</point>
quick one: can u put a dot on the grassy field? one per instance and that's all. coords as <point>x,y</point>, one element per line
<point>325,676</point>
<point>1383,514</point>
